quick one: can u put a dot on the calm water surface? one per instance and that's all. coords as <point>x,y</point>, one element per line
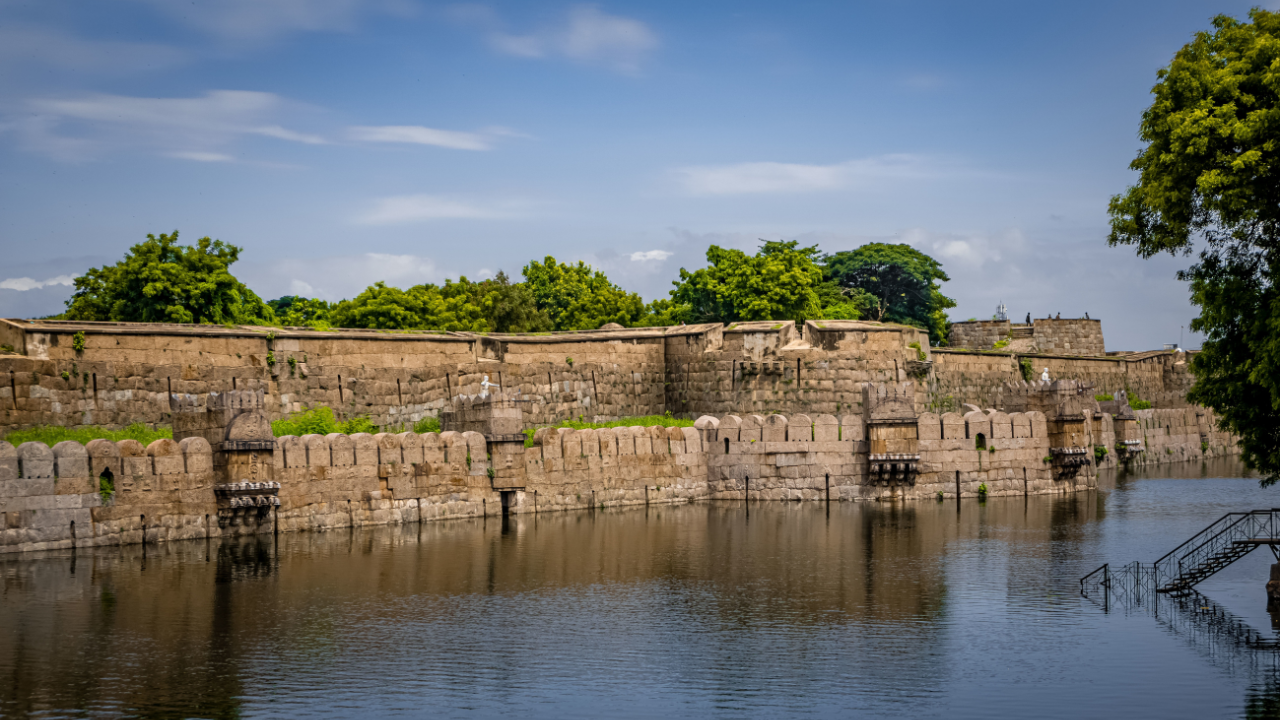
<point>915,610</point>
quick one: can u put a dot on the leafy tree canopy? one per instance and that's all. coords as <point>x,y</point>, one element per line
<point>1210,173</point>
<point>494,305</point>
<point>507,307</point>
<point>897,283</point>
<point>780,282</point>
<point>162,281</point>
<point>421,307</point>
<point>295,311</point>
<point>577,297</point>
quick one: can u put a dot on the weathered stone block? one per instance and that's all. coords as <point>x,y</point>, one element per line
<point>8,462</point>
<point>36,460</point>
<point>70,459</point>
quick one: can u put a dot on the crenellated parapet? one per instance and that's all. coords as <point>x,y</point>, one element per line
<point>250,482</point>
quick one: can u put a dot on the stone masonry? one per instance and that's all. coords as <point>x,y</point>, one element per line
<point>123,373</point>
<point>228,476</point>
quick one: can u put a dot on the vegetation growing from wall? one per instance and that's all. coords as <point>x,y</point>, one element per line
<point>637,421</point>
<point>1028,370</point>
<point>1210,175</point>
<point>53,434</point>
<point>162,281</point>
<point>320,421</point>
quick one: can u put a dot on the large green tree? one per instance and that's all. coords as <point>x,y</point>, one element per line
<point>296,311</point>
<point>162,281</point>
<point>506,306</point>
<point>421,307</point>
<point>1209,176</point>
<point>780,282</point>
<point>494,305</point>
<point>578,297</point>
<point>898,284</point>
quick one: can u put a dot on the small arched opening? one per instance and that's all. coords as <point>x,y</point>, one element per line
<point>980,442</point>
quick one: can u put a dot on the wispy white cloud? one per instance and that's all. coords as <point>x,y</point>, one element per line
<point>402,209</point>
<point>280,133</point>
<point>775,177</point>
<point>202,156</point>
<point>24,284</point>
<point>650,255</point>
<point>193,128</point>
<point>587,34</point>
<point>418,135</point>
<point>257,20</point>
<point>1005,248</point>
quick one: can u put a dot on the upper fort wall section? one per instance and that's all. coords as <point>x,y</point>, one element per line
<point>1050,336</point>
<point>126,373</point>
<point>980,378</point>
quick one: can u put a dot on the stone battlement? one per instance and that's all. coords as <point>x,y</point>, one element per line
<point>122,492</point>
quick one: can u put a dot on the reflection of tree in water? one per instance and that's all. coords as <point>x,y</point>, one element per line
<point>1263,698</point>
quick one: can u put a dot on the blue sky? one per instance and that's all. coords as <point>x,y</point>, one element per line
<point>342,142</point>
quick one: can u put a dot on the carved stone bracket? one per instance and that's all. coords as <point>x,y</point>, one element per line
<point>1130,448</point>
<point>1067,461</point>
<point>887,468</point>
<point>244,495</point>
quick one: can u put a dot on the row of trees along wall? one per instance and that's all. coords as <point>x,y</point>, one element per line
<point>114,374</point>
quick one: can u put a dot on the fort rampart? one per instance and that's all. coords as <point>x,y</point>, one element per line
<point>122,492</point>
<point>113,374</point>
<point>1054,336</point>
<point>830,410</point>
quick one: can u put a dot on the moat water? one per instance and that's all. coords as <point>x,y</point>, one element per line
<point>875,610</point>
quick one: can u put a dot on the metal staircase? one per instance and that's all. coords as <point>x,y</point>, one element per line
<point>1226,540</point>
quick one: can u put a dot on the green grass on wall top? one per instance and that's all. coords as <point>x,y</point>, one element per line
<point>641,421</point>
<point>53,434</point>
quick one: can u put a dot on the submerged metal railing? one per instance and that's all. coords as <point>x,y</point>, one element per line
<point>1224,541</point>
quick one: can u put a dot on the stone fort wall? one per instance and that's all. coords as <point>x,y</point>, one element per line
<point>1046,335</point>
<point>50,497</point>
<point>1161,378</point>
<point>127,373</point>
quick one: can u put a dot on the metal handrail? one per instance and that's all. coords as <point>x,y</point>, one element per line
<point>1164,562</point>
<point>1252,524</point>
<point>1102,570</point>
<point>1232,527</point>
<point>1216,539</point>
<point>1193,537</point>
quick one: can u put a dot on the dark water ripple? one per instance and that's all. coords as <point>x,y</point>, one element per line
<point>924,610</point>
